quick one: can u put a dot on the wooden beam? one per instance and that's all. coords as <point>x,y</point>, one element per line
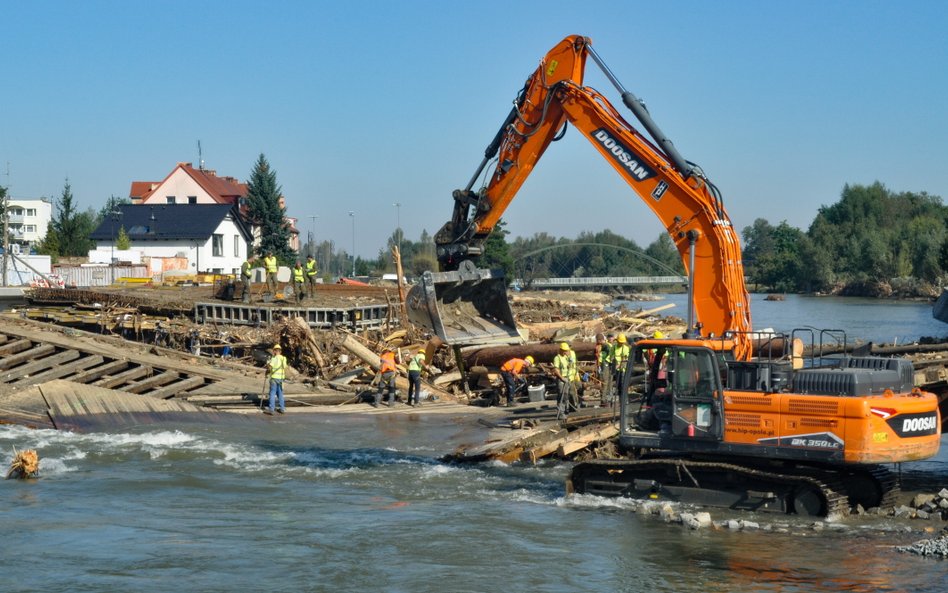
<point>15,346</point>
<point>34,353</point>
<point>132,374</point>
<point>39,365</point>
<point>100,371</point>
<point>172,390</point>
<point>151,382</point>
<point>61,372</point>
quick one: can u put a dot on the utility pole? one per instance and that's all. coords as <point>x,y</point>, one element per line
<point>6,225</point>
<point>398,226</point>
<point>353,216</point>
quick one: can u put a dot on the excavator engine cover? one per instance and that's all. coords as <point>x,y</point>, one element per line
<point>468,306</point>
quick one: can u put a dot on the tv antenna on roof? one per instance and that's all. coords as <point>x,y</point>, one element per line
<point>200,157</point>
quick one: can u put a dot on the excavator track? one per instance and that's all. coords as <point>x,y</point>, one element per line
<point>804,491</point>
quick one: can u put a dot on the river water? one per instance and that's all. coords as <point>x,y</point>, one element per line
<point>863,319</point>
<point>360,502</point>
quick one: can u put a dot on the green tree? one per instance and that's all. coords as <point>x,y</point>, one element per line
<point>265,211</point>
<point>497,252</point>
<point>122,242</point>
<point>71,226</point>
<point>664,250</point>
<point>111,205</point>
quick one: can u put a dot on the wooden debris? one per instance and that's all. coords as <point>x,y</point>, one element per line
<point>25,465</point>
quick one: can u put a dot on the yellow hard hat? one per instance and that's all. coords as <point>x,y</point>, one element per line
<point>564,346</point>
<point>658,335</point>
<point>622,339</point>
<point>420,355</point>
<point>276,347</point>
<point>528,359</point>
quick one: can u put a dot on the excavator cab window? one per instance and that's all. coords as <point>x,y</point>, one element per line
<point>692,406</point>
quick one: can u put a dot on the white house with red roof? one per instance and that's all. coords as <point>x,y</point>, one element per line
<point>187,185</point>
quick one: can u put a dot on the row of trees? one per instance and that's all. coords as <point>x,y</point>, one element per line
<point>872,240</point>
<point>871,237</point>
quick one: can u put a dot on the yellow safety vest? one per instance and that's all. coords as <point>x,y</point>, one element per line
<point>277,366</point>
<point>311,268</point>
<point>621,355</point>
<point>297,274</point>
<point>414,364</point>
<point>245,269</point>
<point>271,263</point>
<point>566,365</point>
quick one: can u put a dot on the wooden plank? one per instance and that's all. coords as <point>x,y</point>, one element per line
<point>34,353</point>
<point>4,338</point>
<point>61,371</point>
<point>169,391</point>
<point>574,445</point>
<point>132,374</point>
<point>151,382</point>
<point>99,371</point>
<point>39,365</point>
<point>15,346</point>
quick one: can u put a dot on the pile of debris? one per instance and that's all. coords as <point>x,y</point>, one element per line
<point>925,506</point>
<point>937,546</point>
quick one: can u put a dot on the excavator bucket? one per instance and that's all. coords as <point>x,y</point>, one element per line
<point>464,307</point>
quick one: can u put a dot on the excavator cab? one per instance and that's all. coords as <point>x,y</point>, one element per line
<point>680,396</point>
<point>464,307</point>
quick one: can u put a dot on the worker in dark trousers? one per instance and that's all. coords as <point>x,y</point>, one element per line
<point>511,371</point>
<point>245,275</point>
<point>415,366</point>
<point>311,273</point>
<point>387,371</point>
<point>299,279</point>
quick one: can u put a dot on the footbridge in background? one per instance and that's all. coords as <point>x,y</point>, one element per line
<point>600,282</point>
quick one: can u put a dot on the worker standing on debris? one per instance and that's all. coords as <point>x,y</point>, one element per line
<point>270,262</point>
<point>245,275</point>
<point>311,273</point>
<point>387,371</point>
<point>299,279</point>
<point>511,371</point>
<point>415,366</point>
<point>564,367</point>
<point>620,357</point>
<point>604,352</point>
<point>276,371</point>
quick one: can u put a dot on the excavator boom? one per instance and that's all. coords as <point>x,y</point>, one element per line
<point>675,190</point>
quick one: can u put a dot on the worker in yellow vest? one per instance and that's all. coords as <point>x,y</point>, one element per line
<point>415,366</point>
<point>620,357</point>
<point>311,273</point>
<point>270,263</point>
<point>276,371</point>
<point>299,279</point>
<point>564,367</point>
<point>604,361</point>
<point>245,274</point>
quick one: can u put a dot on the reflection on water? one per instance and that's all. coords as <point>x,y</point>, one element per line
<point>310,503</point>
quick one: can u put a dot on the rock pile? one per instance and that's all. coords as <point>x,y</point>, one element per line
<point>937,546</point>
<point>926,506</point>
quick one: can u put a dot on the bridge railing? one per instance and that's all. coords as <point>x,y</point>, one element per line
<point>603,281</point>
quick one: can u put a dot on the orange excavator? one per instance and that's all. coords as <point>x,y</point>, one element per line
<point>723,415</point>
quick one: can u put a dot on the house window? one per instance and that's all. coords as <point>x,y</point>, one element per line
<point>218,245</point>
<point>236,245</point>
<point>31,228</point>
<point>169,199</point>
<point>31,211</point>
<point>192,199</point>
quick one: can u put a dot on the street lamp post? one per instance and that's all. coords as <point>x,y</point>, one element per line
<point>353,216</point>
<point>115,215</point>
<point>313,218</point>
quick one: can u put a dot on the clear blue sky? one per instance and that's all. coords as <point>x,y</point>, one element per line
<point>361,105</point>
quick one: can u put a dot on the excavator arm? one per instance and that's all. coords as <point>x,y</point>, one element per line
<point>687,204</point>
